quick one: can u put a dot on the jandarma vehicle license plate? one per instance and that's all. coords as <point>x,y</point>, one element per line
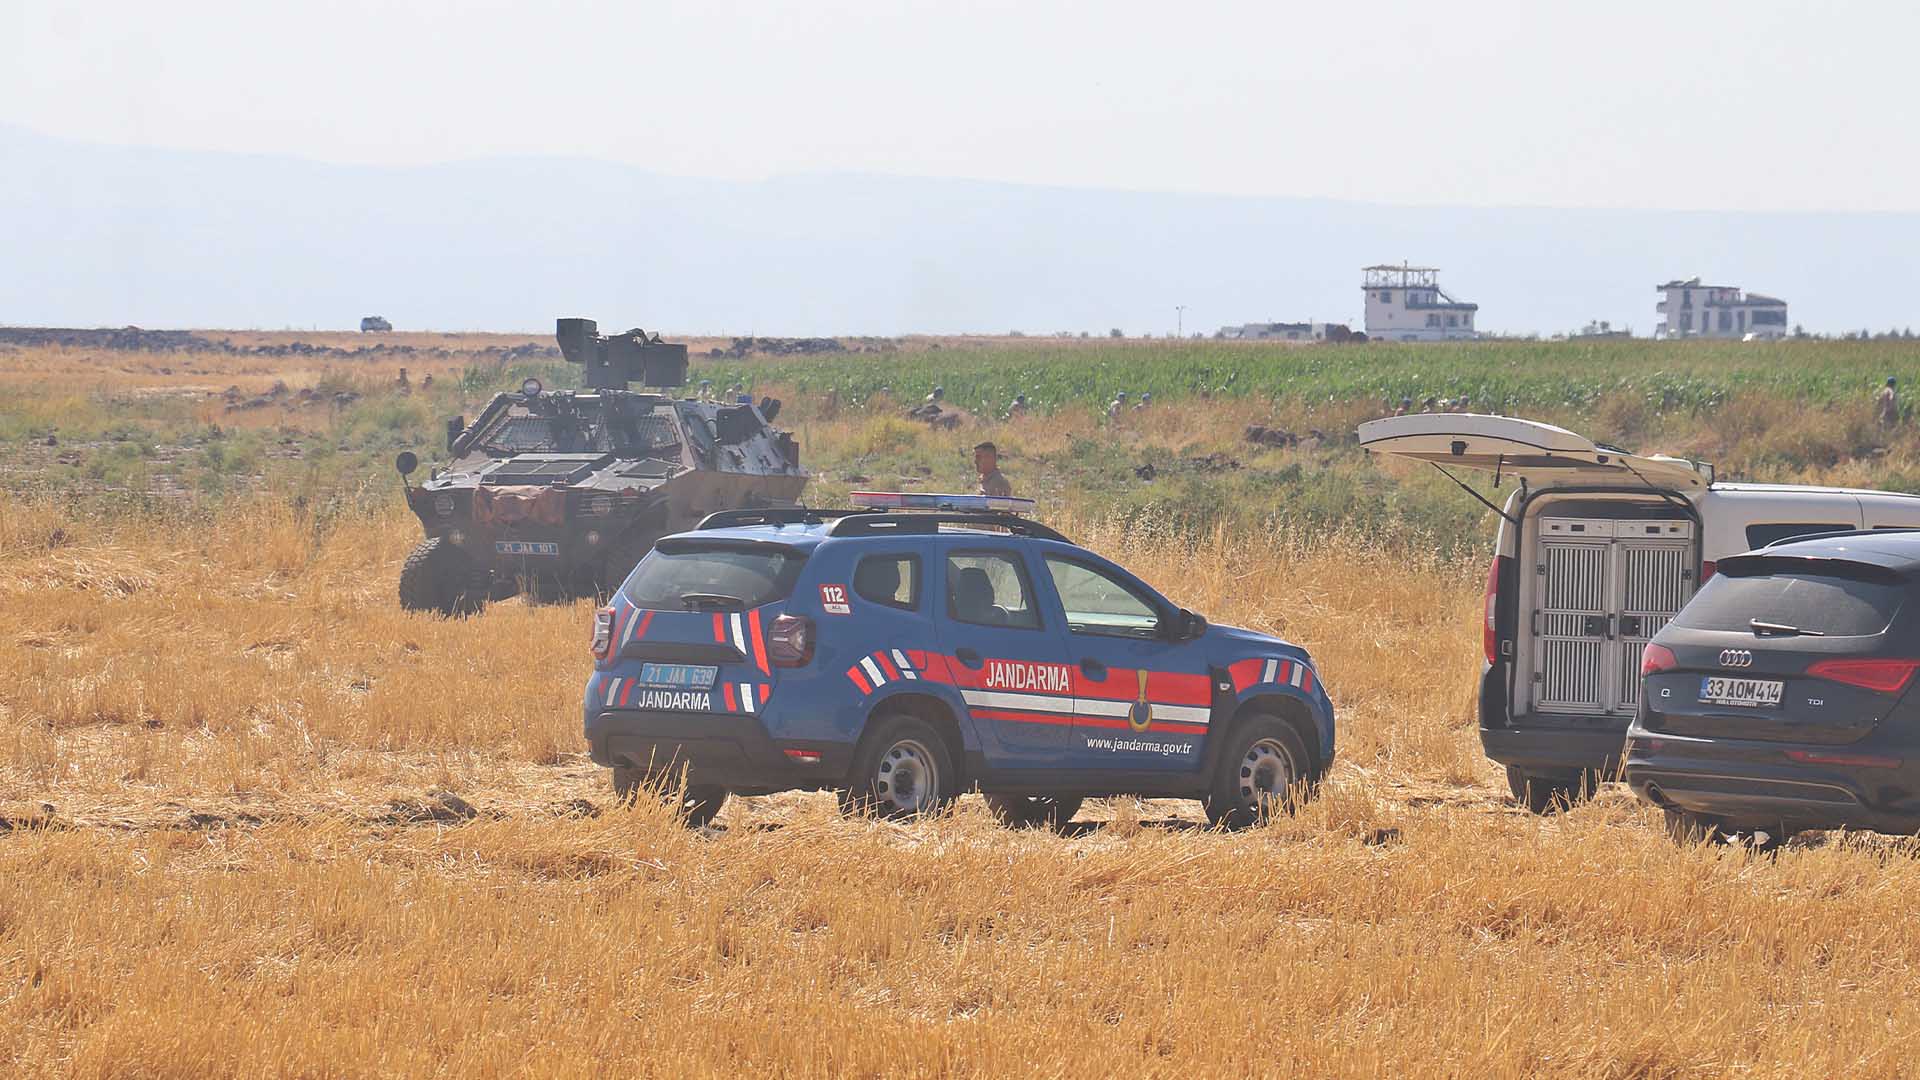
<point>678,676</point>
<point>1746,693</point>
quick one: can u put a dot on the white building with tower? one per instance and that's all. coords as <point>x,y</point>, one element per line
<point>1690,309</point>
<point>1406,303</point>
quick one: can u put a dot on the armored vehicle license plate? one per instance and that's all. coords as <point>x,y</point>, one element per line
<point>678,676</point>
<point>525,547</point>
<point>1746,693</point>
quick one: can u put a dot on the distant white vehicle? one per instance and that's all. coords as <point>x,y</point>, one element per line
<point>1598,549</point>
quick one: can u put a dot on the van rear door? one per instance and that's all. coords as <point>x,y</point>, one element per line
<point>1540,453</point>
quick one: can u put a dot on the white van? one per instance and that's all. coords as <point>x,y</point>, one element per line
<point>1598,548</point>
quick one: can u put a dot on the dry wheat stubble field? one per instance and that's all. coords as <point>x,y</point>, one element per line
<point>261,822</point>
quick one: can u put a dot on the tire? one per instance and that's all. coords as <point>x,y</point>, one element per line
<point>699,803</point>
<point>443,579</point>
<point>1265,770</point>
<point>1550,793</point>
<point>902,769</point>
<point>1034,811</point>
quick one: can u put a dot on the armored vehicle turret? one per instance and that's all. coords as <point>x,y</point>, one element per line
<point>562,491</point>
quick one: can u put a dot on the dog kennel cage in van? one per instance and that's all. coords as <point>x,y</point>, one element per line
<point>1598,590</point>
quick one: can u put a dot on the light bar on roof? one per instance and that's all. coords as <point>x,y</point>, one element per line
<point>966,504</point>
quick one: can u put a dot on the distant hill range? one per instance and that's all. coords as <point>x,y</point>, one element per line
<point>111,236</point>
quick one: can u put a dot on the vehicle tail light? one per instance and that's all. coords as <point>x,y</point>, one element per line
<point>1657,658</point>
<point>790,641</point>
<point>1707,569</point>
<point>602,633</point>
<point>1880,676</point>
<point>1490,633</point>
<point>804,757</point>
<point>1841,757</point>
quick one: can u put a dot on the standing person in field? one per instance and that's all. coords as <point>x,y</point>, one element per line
<point>986,461</point>
<point>1886,402</point>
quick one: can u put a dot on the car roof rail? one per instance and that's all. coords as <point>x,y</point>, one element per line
<point>923,522</point>
<point>1878,531</point>
<point>773,515</point>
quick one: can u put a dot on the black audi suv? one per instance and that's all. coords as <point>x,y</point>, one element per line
<point>1781,697</point>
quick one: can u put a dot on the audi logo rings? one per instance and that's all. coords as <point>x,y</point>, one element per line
<point>1736,658</point>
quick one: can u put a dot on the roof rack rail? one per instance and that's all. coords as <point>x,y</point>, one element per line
<point>1881,530</point>
<point>923,522</point>
<point>774,515</point>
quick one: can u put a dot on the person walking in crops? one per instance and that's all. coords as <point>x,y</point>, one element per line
<point>986,461</point>
<point>1887,404</point>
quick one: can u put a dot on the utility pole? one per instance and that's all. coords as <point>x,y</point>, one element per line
<point>1179,320</point>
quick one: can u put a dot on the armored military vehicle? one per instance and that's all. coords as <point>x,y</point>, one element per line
<point>561,492</point>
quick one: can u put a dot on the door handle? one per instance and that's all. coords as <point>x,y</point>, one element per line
<point>1093,669</point>
<point>968,657</point>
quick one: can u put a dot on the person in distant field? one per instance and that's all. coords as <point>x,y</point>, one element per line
<point>939,394</point>
<point>1118,403</point>
<point>706,389</point>
<point>401,384</point>
<point>427,382</point>
<point>1146,401</point>
<point>1430,405</point>
<point>986,460</point>
<point>1462,405</point>
<point>1019,406</point>
<point>1406,406</point>
<point>1886,403</point>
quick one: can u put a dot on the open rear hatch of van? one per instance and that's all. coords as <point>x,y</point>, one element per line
<point>1788,648</point>
<point>1540,453</point>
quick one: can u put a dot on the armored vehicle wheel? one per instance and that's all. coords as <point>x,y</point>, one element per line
<point>1032,811</point>
<point>1262,772</point>
<point>1548,793</point>
<point>439,577</point>
<point>903,769</point>
<point>699,803</point>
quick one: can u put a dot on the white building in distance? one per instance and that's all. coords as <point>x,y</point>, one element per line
<point>1406,303</point>
<point>1690,309</point>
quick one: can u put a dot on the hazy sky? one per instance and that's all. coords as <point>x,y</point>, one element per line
<point>1754,106</point>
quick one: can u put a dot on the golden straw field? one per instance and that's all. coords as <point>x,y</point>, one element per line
<point>259,821</point>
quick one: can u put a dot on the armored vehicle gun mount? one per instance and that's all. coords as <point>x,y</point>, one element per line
<point>561,492</point>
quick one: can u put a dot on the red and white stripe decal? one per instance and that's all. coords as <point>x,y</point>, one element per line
<point>877,669</point>
<point>1270,670</point>
<point>759,642</point>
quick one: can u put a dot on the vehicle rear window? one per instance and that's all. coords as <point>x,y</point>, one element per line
<point>1762,534</point>
<point>1831,605</point>
<point>713,577</point>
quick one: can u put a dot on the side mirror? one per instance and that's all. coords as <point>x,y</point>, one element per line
<point>1192,625</point>
<point>406,463</point>
<point>454,427</point>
